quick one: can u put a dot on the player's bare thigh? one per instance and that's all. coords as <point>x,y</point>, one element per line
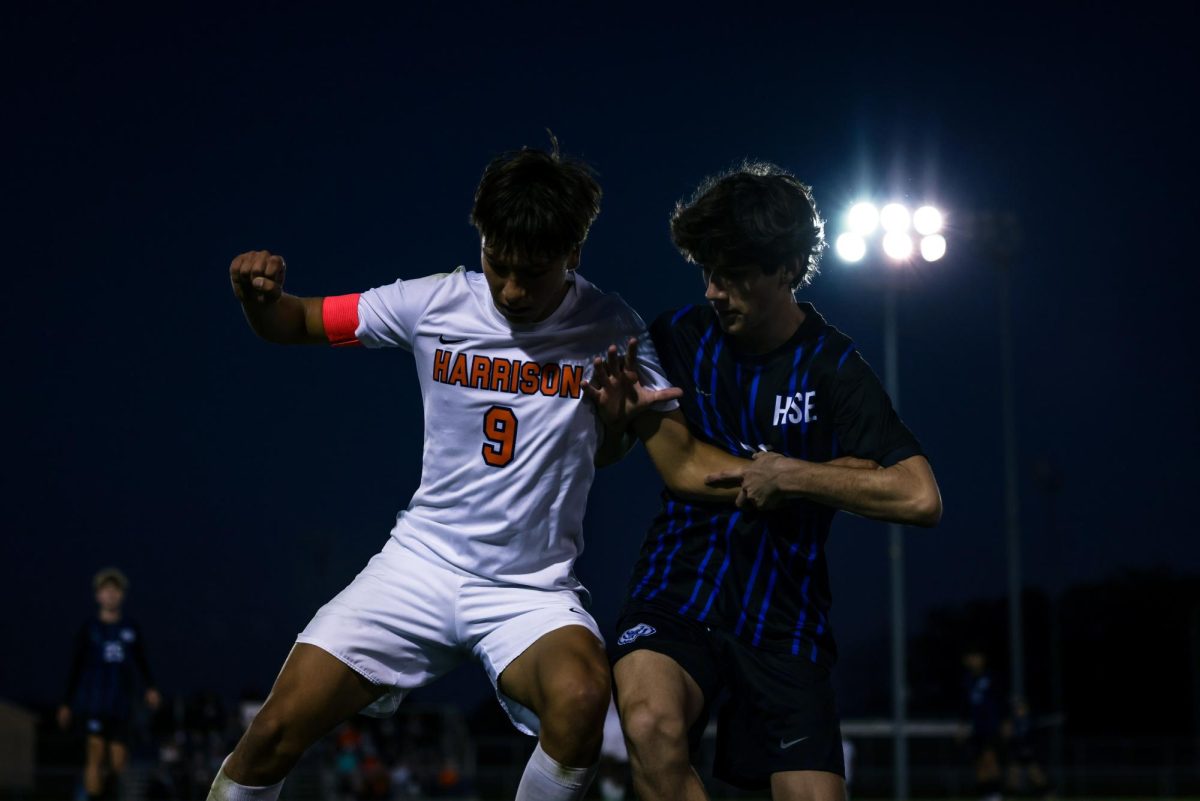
<point>807,785</point>
<point>657,684</point>
<point>314,692</point>
<point>659,702</point>
<point>564,678</point>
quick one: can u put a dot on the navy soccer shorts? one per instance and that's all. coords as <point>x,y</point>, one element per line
<point>108,727</point>
<point>779,714</point>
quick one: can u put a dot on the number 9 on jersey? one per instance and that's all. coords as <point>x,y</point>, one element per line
<point>500,433</point>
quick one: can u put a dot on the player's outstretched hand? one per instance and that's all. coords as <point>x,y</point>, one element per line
<point>617,390</point>
<point>257,277</point>
<point>759,480</point>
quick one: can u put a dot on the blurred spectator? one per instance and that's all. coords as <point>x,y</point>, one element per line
<point>412,755</point>
<point>614,758</point>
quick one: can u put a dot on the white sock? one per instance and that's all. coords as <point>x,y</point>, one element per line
<point>226,789</point>
<point>546,780</point>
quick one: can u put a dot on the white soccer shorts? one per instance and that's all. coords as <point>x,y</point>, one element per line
<point>405,621</point>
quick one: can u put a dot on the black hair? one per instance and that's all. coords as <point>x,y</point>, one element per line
<point>756,213</point>
<point>535,205</point>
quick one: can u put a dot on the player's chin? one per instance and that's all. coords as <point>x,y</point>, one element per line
<point>523,316</point>
<point>731,322</point>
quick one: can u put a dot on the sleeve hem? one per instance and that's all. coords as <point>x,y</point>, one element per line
<point>898,455</point>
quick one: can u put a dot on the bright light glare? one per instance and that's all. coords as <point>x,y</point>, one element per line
<point>933,247</point>
<point>894,217</point>
<point>851,247</point>
<point>898,245</point>
<point>927,220</point>
<point>863,218</point>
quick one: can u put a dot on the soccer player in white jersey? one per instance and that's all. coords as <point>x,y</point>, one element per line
<point>480,563</point>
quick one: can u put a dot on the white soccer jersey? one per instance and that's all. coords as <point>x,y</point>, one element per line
<point>509,440</point>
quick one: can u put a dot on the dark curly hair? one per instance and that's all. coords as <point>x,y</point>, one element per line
<point>535,205</point>
<point>756,213</point>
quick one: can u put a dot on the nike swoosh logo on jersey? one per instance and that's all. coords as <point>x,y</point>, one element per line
<point>444,341</point>
<point>784,745</point>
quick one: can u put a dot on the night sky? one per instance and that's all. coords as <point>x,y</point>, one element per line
<point>241,484</point>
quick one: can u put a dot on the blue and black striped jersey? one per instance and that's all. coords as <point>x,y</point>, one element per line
<point>102,669</point>
<point>762,575</point>
<point>984,704</point>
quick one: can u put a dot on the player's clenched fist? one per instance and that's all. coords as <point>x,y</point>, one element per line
<point>257,276</point>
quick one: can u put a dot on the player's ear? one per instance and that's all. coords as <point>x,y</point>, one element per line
<point>573,259</point>
<point>791,273</point>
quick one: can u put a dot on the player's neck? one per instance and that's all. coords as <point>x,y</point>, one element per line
<point>110,615</point>
<point>776,329</point>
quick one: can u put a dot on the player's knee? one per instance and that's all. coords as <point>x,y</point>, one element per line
<point>653,728</point>
<point>270,748</point>
<point>581,701</point>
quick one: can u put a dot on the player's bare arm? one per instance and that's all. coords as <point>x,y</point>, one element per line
<point>683,461</point>
<point>686,463</point>
<point>624,405</point>
<point>619,397</point>
<point>614,444</point>
<point>906,492</point>
<point>257,278</point>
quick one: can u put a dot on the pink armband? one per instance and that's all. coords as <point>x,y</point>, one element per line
<point>339,313</point>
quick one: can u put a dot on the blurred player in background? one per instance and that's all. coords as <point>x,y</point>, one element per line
<point>984,731</point>
<point>737,597</point>
<point>480,564</point>
<point>109,650</point>
<point>1025,771</point>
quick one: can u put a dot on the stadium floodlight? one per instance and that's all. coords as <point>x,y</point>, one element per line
<point>927,220</point>
<point>898,245</point>
<point>933,247</point>
<point>858,241</point>
<point>862,219</point>
<point>851,247</point>
<point>894,217</point>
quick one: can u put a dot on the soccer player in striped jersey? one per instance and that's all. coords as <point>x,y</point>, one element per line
<point>109,651</point>
<point>480,564</point>
<point>736,596</point>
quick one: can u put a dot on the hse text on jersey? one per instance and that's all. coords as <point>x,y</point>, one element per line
<point>507,375</point>
<point>796,408</point>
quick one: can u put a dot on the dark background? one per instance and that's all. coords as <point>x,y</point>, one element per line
<point>240,484</point>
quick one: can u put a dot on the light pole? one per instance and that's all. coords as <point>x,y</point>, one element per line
<point>1000,237</point>
<point>863,224</point>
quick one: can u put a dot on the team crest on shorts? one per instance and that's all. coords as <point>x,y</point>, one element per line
<point>640,630</point>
